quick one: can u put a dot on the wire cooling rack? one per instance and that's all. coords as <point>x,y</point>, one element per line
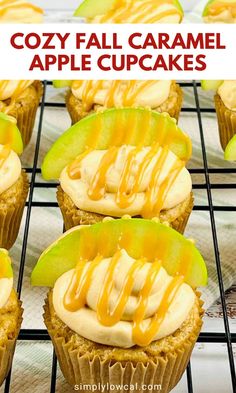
<point>205,337</point>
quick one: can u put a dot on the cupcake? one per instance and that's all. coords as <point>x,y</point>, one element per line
<point>10,315</point>
<point>225,104</point>
<point>220,11</point>
<point>85,97</point>
<point>20,99</point>
<point>19,11</point>
<point>131,11</point>
<point>13,182</point>
<point>123,311</point>
<point>122,162</point>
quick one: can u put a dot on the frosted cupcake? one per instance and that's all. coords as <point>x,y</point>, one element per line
<point>10,315</point>
<point>220,11</point>
<point>14,183</point>
<point>131,11</point>
<point>122,162</point>
<point>225,104</point>
<point>19,11</point>
<point>86,97</point>
<point>20,99</point>
<point>123,311</point>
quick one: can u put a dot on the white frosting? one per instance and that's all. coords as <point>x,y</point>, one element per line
<point>137,15</point>
<point>26,13</point>
<point>78,189</point>
<point>151,96</point>
<point>227,92</point>
<point>224,17</point>
<point>6,285</point>
<point>10,171</point>
<point>9,88</point>
<point>85,321</point>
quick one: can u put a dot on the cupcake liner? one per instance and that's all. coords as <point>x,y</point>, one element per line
<point>165,369</point>
<point>73,216</point>
<point>181,222</point>
<point>25,114</point>
<point>7,351</point>
<point>172,105</point>
<point>10,218</point>
<point>226,121</point>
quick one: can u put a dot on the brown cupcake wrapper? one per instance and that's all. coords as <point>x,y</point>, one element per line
<point>226,122</point>
<point>7,351</point>
<point>25,115</point>
<point>76,113</point>
<point>10,219</point>
<point>72,219</point>
<point>181,222</point>
<point>166,370</point>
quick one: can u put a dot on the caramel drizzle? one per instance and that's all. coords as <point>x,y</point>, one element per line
<point>9,4</point>
<point>4,154</point>
<point>129,95</point>
<point>76,294</point>
<point>216,9</point>
<point>21,86</point>
<point>124,9</point>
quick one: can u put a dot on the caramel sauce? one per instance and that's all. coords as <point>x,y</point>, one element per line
<point>218,8</point>
<point>21,86</point>
<point>128,94</point>
<point>4,154</point>
<point>9,4</point>
<point>122,10</point>
<point>2,267</point>
<point>76,294</point>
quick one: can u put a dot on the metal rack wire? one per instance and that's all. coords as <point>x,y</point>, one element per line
<point>208,337</point>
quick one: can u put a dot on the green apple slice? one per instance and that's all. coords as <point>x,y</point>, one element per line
<point>207,7</point>
<point>5,264</point>
<point>10,134</point>
<point>139,237</point>
<point>113,124</point>
<point>61,83</point>
<point>92,8</point>
<point>230,151</point>
<point>210,84</point>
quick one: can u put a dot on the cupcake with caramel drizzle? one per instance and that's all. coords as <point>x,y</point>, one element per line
<point>20,99</point>
<point>128,162</point>
<point>85,97</point>
<point>220,11</point>
<point>13,181</point>
<point>123,299</point>
<point>131,11</point>
<point>10,315</point>
<point>19,11</point>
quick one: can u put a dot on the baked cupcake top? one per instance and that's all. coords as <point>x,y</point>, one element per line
<point>121,93</point>
<point>6,277</point>
<point>223,11</point>
<point>138,171</point>
<point>10,146</point>
<point>10,91</point>
<point>131,286</point>
<point>19,11</point>
<point>131,11</point>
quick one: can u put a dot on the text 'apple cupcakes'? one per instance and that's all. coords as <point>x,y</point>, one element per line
<point>85,97</point>
<point>220,11</point>
<point>20,11</point>
<point>122,162</point>
<point>130,11</point>
<point>10,315</point>
<point>123,308</point>
<point>225,104</point>
<point>20,99</point>
<point>14,183</point>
